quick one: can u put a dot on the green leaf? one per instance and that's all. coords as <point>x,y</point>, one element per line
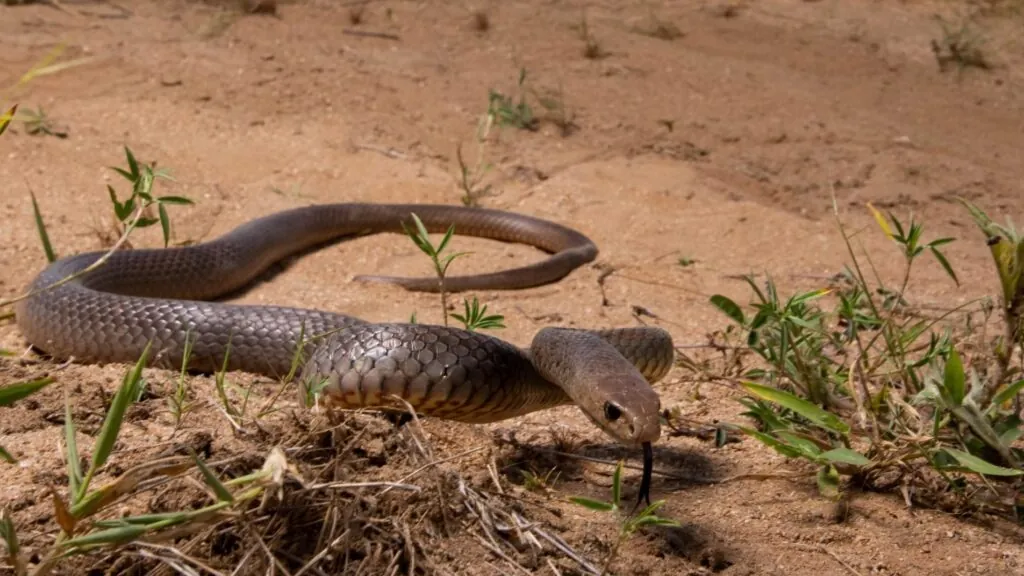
<point>44,236</point>
<point>165,223</point>
<point>118,535</point>
<point>807,448</point>
<point>132,164</point>
<point>954,381</point>
<point>447,237</point>
<point>846,456</point>
<point>730,308</point>
<point>597,505</point>
<point>73,457</point>
<point>979,466</point>
<point>175,200</point>
<point>655,521</point>
<point>800,406</point>
<point>115,415</point>
<point>944,263</point>
<point>223,494</point>
<point>770,441</point>
<point>6,456</point>
<point>12,393</point>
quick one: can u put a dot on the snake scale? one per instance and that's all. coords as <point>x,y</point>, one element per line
<point>161,297</point>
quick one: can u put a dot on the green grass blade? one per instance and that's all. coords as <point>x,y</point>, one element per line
<point>954,380</point>
<point>44,236</point>
<point>979,466</point>
<point>846,456</point>
<point>802,407</point>
<point>14,392</point>
<point>597,505</point>
<point>6,456</point>
<point>223,494</point>
<point>730,308</point>
<point>74,459</point>
<point>115,416</point>
<point>617,484</point>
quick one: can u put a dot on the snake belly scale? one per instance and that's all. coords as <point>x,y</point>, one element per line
<point>161,297</point>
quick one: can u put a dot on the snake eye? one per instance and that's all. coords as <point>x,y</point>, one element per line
<point>612,412</point>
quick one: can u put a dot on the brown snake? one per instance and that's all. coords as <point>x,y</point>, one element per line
<point>160,297</point>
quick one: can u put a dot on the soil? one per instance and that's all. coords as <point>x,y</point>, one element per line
<point>692,159</point>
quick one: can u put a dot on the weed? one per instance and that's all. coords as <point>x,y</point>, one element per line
<point>960,45</point>
<point>37,122</point>
<point>508,111</point>
<point>441,263</point>
<point>178,402</point>
<point>867,389</point>
<point>632,522</point>
<point>537,483</point>
<point>471,179</point>
<point>685,262</point>
<point>476,317</point>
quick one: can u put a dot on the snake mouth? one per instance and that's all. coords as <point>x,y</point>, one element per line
<point>644,495</point>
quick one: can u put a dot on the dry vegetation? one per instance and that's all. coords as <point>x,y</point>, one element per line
<point>862,421</point>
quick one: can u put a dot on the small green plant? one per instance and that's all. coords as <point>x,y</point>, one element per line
<point>536,483</point>
<point>178,402</point>
<point>133,212</point>
<point>632,522</point>
<point>421,238</point>
<point>510,111</point>
<point>471,179</point>
<point>37,122</point>
<point>476,317</point>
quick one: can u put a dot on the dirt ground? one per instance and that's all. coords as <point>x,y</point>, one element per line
<point>721,147</point>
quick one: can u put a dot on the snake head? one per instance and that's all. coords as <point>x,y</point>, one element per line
<point>625,407</point>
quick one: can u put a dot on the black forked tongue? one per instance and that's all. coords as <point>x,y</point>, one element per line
<point>645,481</point>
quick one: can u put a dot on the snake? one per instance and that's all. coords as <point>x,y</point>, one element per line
<point>169,301</point>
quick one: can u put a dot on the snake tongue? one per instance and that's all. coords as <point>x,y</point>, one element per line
<point>644,495</point>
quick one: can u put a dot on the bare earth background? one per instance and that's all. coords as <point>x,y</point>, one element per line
<point>722,146</point>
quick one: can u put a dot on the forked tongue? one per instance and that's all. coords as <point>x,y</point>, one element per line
<point>645,481</point>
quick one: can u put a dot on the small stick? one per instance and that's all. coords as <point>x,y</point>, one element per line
<point>385,35</point>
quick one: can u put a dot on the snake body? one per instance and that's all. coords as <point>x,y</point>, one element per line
<point>161,298</point>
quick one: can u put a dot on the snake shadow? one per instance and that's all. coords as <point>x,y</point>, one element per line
<point>676,469</point>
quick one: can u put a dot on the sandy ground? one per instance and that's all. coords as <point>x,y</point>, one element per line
<point>722,146</point>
